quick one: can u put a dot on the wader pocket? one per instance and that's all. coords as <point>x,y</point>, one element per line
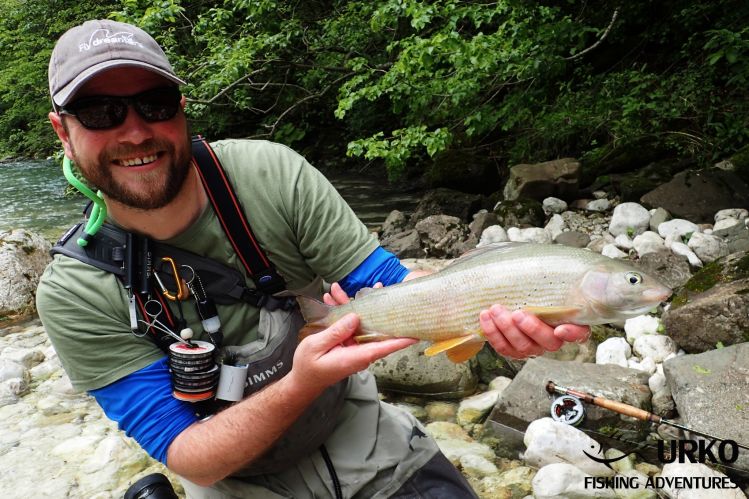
<point>269,358</point>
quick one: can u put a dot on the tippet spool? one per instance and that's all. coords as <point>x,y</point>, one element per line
<point>567,409</point>
<point>194,371</point>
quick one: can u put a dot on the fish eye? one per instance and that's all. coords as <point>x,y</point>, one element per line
<point>633,278</point>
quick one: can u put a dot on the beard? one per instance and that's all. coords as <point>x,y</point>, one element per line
<point>156,189</point>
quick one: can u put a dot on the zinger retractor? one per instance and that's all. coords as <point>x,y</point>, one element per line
<point>194,371</point>
<point>99,211</point>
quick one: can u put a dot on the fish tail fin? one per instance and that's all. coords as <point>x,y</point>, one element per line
<point>315,315</point>
<point>458,349</point>
<point>313,310</point>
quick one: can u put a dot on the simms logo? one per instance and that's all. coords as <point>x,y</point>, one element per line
<point>101,35</point>
<point>266,375</point>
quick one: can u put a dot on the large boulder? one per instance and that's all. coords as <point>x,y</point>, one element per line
<point>712,306</point>
<point>23,257</point>
<point>559,178</point>
<point>404,244</point>
<point>522,212</point>
<point>409,371</point>
<point>526,400</point>
<point>697,194</point>
<point>673,270</point>
<point>447,202</point>
<point>443,236</point>
<point>711,391</point>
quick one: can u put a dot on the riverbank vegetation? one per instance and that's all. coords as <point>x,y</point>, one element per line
<point>425,87</point>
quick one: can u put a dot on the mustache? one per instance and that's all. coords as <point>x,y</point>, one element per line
<point>149,146</point>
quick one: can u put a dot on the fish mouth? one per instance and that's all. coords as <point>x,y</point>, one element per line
<point>657,295</point>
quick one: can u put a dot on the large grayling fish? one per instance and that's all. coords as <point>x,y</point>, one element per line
<point>557,283</point>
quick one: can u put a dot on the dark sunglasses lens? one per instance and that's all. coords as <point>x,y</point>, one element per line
<point>100,113</point>
<point>160,104</point>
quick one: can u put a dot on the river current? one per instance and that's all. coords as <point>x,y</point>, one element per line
<point>33,198</point>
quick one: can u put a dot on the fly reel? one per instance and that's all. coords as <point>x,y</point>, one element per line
<point>568,410</point>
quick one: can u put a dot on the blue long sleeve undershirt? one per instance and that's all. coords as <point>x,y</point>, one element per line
<point>142,403</point>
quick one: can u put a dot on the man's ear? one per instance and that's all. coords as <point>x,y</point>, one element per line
<point>182,102</point>
<point>56,121</point>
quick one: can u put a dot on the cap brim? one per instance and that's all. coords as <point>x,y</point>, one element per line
<point>66,93</point>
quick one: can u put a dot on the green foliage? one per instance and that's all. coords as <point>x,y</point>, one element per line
<point>28,29</point>
<point>402,81</point>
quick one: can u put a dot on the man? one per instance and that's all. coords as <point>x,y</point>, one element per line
<point>119,115</point>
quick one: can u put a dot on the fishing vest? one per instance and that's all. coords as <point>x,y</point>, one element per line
<point>130,257</point>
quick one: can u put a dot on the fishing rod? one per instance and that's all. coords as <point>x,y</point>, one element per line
<point>624,409</point>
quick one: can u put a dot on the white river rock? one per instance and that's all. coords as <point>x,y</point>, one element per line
<point>613,351</point>
<point>548,441</point>
<point>630,219</point>
<point>563,480</point>
<point>640,325</point>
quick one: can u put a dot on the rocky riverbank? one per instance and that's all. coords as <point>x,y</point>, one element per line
<point>687,361</point>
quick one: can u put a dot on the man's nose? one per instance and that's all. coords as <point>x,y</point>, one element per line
<point>134,129</point>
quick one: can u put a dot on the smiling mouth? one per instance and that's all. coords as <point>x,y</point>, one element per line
<point>144,160</point>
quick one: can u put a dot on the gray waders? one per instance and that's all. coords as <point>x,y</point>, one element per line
<point>373,446</point>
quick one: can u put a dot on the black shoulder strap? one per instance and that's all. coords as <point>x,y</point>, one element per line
<point>233,219</point>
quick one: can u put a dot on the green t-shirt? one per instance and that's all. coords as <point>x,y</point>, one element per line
<point>299,219</point>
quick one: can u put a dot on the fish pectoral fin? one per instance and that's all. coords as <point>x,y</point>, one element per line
<point>554,315</point>
<point>464,351</point>
<point>444,345</point>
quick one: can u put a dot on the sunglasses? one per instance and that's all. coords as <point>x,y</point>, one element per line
<point>100,112</point>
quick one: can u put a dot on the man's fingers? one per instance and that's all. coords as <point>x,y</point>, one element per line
<point>518,339</point>
<point>537,330</point>
<point>338,294</point>
<point>369,352</point>
<point>572,332</point>
<point>335,334</point>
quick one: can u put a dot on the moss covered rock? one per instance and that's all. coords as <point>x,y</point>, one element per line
<point>711,307</point>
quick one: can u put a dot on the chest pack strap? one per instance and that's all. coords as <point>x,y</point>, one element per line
<point>129,256</point>
<point>233,220</point>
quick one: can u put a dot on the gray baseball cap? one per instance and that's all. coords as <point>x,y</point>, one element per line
<point>84,51</point>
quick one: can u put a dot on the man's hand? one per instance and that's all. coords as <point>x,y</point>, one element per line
<point>519,335</point>
<point>327,357</point>
<point>338,296</point>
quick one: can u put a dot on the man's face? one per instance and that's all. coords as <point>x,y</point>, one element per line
<point>139,164</point>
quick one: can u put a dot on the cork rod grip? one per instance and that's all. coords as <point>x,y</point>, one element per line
<point>626,410</point>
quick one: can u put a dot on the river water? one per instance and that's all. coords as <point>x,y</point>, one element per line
<point>33,198</point>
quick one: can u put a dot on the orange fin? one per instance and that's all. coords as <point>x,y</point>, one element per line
<point>554,315</point>
<point>444,345</point>
<point>463,352</point>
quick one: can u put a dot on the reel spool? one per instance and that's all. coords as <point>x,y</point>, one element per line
<point>568,410</point>
<point>194,371</point>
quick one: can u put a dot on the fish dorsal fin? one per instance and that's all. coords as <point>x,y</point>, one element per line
<point>363,292</point>
<point>444,345</point>
<point>554,315</point>
<point>493,247</point>
<point>465,351</point>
